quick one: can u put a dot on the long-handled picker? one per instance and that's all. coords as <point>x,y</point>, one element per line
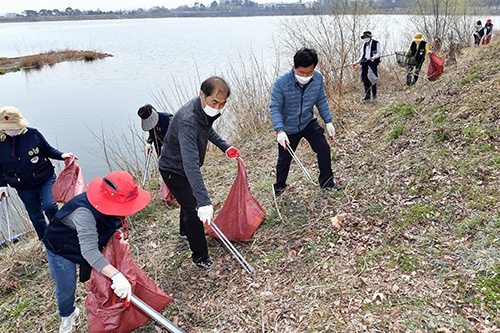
<point>145,175</point>
<point>299,163</point>
<point>7,218</point>
<point>232,249</point>
<point>156,316</point>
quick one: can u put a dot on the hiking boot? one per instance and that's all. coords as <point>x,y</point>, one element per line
<point>68,322</point>
<point>206,265</point>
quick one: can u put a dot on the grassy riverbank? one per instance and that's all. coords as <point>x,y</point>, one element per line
<point>410,245</point>
<point>49,58</point>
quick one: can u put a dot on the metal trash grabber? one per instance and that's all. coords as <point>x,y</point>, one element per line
<point>232,249</point>
<point>144,176</point>
<point>296,159</point>
<point>155,315</point>
<point>7,218</point>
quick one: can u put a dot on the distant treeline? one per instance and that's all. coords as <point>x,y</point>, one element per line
<point>234,8</point>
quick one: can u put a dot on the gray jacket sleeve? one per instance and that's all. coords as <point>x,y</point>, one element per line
<point>217,140</point>
<point>191,164</point>
<point>83,221</point>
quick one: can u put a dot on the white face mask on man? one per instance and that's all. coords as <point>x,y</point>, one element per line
<point>303,79</point>
<point>210,111</point>
<point>13,132</point>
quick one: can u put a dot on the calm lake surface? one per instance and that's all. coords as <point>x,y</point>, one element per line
<point>70,101</point>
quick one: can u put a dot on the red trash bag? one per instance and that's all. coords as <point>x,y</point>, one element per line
<point>70,181</point>
<point>241,214</point>
<point>165,193</point>
<point>436,66</point>
<point>106,311</point>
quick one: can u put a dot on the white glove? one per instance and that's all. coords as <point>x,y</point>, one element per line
<point>4,192</point>
<point>331,130</point>
<point>283,139</point>
<point>121,286</point>
<point>206,213</point>
<point>68,155</point>
<point>149,148</point>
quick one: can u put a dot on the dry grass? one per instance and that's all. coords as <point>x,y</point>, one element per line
<point>47,58</point>
<point>411,244</point>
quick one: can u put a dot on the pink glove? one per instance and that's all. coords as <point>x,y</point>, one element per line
<point>232,152</point>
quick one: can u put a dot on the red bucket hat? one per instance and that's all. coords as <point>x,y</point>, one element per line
<point>117,194</point>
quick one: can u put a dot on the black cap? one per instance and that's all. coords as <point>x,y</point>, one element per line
<point>366,34</point>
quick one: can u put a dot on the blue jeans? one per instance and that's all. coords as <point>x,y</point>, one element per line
<point>63,272</point>
<point>37,200</point>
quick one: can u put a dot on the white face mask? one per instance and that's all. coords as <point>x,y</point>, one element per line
<point>303,79</point>
<point>210,111</point>
<point>13,132</point>
<point>366,40</point>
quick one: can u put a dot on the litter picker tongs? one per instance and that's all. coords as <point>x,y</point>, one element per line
<point>232,249</point>
<point>156,316</point>
<point>299,163</point>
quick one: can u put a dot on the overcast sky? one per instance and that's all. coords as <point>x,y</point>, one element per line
<point>17,6</point>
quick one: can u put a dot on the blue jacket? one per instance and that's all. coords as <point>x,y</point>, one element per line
<point>292,105</point>
<point>24,159</point>
<point>63,240</point>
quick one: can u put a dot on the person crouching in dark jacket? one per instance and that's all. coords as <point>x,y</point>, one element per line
<point>25,166</point>
<point>80,230</point>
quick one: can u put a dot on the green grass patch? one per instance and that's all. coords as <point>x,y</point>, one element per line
<point>473,74</point>
<point>396,132</point>
<point>489,286</point>
<point>415,213</point>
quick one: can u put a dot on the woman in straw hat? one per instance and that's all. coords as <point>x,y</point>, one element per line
<point>415,57</point>
<point>81,229</point>
<point>25,166</point>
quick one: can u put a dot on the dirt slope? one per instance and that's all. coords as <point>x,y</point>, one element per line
<point>411,245</point>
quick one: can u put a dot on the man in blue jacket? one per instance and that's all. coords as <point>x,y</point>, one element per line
<point>293,96</point>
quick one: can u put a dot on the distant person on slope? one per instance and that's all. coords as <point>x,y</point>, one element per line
<point>488,34</point>
<point>25,166</point>
<point>156,123</point>
<point>182,157</point>
<point>293,97</point>
<point>369,60</point>
<point>415,56</point>
<point>81,229</point>
<point>477,35</point>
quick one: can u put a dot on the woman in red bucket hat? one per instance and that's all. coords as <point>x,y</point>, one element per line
<point>80,230</point>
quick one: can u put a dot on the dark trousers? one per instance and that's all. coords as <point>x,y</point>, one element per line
<point>39,200</point>
<point>413,71</point>
<point>188,219</point>
<point>366,82</point>
<point>313,133</point>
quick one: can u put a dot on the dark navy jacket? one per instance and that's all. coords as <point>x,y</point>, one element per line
<point>24,159</point>
<point>63,240</point>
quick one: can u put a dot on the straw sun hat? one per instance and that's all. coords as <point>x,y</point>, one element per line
<point>11,118</point>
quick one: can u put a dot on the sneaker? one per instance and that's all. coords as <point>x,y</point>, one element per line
<point>68,322</point>
<point>333,186</point>
<point>278,192</point>
<point>206,265</point>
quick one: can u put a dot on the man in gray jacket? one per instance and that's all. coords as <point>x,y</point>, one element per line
<point>293,97</point>
<point>182,156</point>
